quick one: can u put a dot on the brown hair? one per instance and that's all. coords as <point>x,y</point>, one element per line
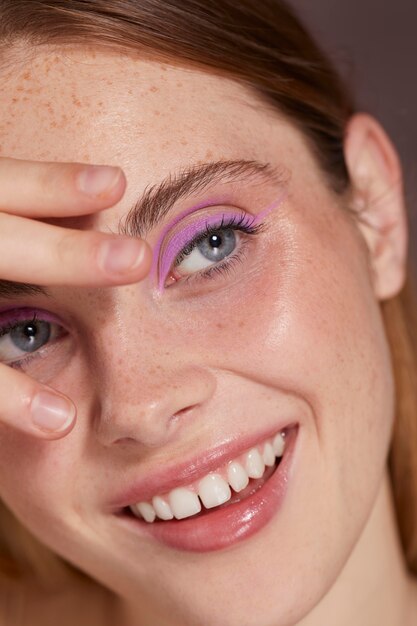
<point>263,45</point>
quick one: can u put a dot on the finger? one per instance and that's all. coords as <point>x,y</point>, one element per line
<point>33,408</point>
<point>43,254</point>
<point>42,189</point>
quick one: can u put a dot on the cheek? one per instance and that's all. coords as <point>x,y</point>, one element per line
<point>305,320</point>
<point>39,480</point>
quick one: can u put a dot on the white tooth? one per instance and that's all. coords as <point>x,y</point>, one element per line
<point>237,476</point>
<point>213,490</point>
<point>184,502</point>
<point>255,465</point>
<point>269,455</point>
<point>162,508</point>
<point>146,510</point>
<point>278,444</point>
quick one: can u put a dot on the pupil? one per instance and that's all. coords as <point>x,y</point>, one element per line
<point>29,330</point>
<point>215,241</point>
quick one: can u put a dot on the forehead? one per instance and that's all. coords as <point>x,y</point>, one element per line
<point>91,106</point>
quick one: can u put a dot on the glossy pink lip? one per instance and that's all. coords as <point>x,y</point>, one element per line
<point>223,527</point>
<point>169,477</point>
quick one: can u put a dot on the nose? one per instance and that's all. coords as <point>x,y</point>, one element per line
<point>150,405</point>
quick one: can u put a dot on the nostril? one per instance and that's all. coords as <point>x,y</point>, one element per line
<point>125,440</point>
<point>182,413</point>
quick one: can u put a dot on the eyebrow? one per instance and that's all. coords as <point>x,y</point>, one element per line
<point>11,289</point>
<point>157,200</point>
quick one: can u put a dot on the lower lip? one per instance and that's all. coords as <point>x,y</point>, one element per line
<point>223,527</point>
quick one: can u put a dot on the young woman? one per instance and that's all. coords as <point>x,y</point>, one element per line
<point>203,255</point>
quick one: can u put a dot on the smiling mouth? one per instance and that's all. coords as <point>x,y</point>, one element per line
<point>233,482</point>
<point>223,507</point>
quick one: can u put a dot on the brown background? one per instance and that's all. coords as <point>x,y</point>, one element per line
<point>374,43</point>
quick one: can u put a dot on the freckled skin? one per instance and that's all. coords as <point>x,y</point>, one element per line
<point>295,326</point>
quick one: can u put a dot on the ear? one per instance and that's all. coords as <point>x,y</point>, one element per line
<point>378,201</point>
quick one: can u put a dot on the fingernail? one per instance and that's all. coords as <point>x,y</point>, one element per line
<point>121,256</point>
<point>51,412</point>
<point>98,179</point>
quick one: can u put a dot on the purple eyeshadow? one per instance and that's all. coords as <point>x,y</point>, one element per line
<point>184,237</point>
<point>16,315</point>
<point>180,240</point>
<point>178,218</point>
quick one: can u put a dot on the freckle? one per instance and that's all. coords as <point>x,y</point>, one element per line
<point>54,124</point>
<point>153,89</point>
<point>219,325</point>
<point>184,142</point>
<point>20,88</point>
<point>157,112</point>
<point>209,154</point>
<point>27,75</point>
<point>14,100</point>
<point>179,85</point>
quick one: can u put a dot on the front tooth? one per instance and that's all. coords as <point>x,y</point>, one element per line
<point>237,476</point>
<point>213,490</point>
<point>278,444</point>
<point>162,508</point>
<point>146,510</point>
<point>184,502</point>
<point>269,455</point>
<point>255,465</point>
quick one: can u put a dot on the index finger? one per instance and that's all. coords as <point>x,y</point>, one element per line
<point>37,189</point>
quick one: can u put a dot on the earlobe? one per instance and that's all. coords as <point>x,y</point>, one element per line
<point>378,201</point>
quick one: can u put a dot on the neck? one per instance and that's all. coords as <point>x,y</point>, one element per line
<point>374,586</point>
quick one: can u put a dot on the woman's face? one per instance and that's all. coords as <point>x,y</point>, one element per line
<point>188,370</point>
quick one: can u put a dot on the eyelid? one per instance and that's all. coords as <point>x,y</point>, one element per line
<point>174,244</point>
<point>160,276</point>
<point>15,315</point>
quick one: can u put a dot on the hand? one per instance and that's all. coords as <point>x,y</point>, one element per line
<point>31,191</point>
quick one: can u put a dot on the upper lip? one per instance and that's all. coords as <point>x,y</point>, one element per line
<point>163,479</point>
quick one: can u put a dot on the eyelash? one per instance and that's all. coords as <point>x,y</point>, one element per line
<point>242,223</point>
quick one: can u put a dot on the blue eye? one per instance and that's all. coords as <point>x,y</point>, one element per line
<point>215,248</point>
<point>21,338</point>
<point>30,336</point>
